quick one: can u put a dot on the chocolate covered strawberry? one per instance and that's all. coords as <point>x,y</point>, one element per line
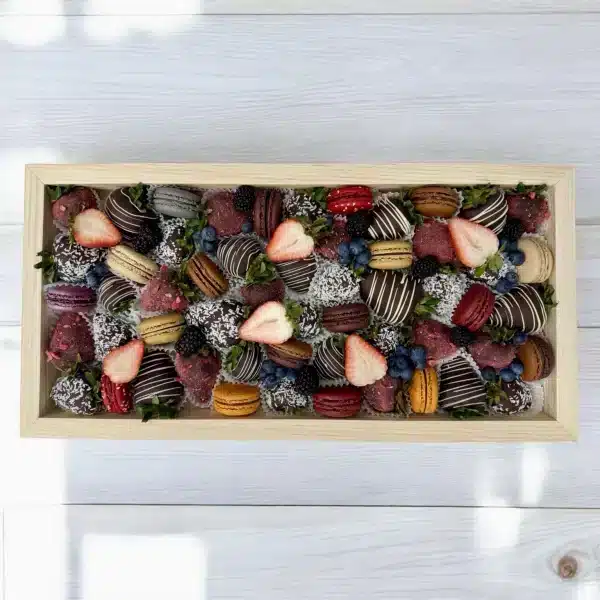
<point>122,364</point>
<point>487,353</point>
<point>432,238</point>
<point>349,199</point>
<point>116,397</point>
<point>71,341</point>
<point>93,229</point>
<point>161,294</point>
<point>474,244</point>
<point>295,239</point>
<point>364,364</point>
<point>198,372</point>
<point>529,206</point>
<point>271,323</point>
<point>68,202</point>
<point>259,293</point>
<point>435,337</point>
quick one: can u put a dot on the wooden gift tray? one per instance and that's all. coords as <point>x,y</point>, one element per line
<point>557,421</point>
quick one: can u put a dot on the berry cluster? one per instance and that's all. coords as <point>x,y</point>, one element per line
<point>461,336</point>
<point>425,267</point>
<point>95,274</point>
<point>206,240</point>
<point>507,283</point>
<point>148,237</point>
<point>192,340</point>
<point>355,253</point>
<point>271,374</point>
<point>508,374</point>
<point>403,362</point>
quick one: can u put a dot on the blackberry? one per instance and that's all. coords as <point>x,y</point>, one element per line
<point>461,336</point>
<point>191,341</point>
<point>148,238</point>
<point>307,380</point>
<point>513,230</point>
<point>358,223</point>
<point>243,198</point>
<point>425,267</point>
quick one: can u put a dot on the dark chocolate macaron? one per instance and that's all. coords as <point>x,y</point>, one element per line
<point>267,212</point>
<point>116,294</point>
<point>346,317</point>
<point>298,274</point>
<point>292,354</point>
<point>70,298</point>
<point>537,356</point>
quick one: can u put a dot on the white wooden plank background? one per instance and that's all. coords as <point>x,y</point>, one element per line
<point>193,553</point>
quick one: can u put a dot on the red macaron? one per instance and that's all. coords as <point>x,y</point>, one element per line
<point>337,402</point>
<point>346,317</point>
<point>116,397</point>
<point>474,308</point>
<point>349,199</point>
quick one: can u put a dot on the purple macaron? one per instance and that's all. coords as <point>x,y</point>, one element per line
<point>70,298</point>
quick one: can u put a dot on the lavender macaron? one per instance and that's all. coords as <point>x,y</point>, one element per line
<point>70,298</point>
<point>176,202</point>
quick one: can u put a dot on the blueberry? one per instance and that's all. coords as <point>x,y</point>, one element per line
<point>198,239</point>
<point>395,372</point>
<point>247,227</point>
<point>519,338</point>
<point>517,367</point>
<point>407,374</point>
<point>516,257</point>
<point>503,242</point>
<point>356,247</point>
<point>209,247</point>
<point>512,246</point>
<point>329,220</point>
<point>270,381</point>
<point>344,249</point>
<point>363,243</point>
<point>403,362</point>
<point>503,286</point>
<point>418,354</point>
<point>269,367</point>
<point>209,234</point>
<point>489,374</point>
<point>362,260</point>
<point>291,374</point>
<point>280,372</point>
<point>512,277</point>
<point>507,375</point>
<point>402,351</point>
<point>420,364</point>
<point>345,260</point>
<point>92,279</point>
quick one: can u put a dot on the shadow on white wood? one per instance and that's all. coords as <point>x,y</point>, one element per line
<point>98,552</point>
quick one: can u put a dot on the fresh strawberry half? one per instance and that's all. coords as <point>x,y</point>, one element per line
<point>122,364</point>
<point>349,199</point>
<point>473,243</point>
<point>364,364</point>
<point>116,397</point>
<point>93,229</point>
<point>68,203</point>
<point>290,242</point>
<point>268,324</point>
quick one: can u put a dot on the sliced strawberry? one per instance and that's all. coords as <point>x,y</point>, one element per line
<point>122,364</point>
<point>93,229</point>
<point>268,324</point>
<point>473,243</point>
<point>364,364</point>
<point>289,242</point>
<point>117,397</point>
<point>349,199</point>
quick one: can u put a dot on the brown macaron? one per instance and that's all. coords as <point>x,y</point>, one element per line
<point>206,275</point>
<point>346,317</point>
<point>292,354</point>
<point>435,200</point>
<point>537,356</point>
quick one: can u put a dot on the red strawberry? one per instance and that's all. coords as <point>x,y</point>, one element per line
<point>93,229</point>
<point>473,243</point>
<point>289,242</point>
<point>122,364</point>
<point>116,397</point>
<point>364,364</point>
<point>71,203</point>
<point>349,199</point>
<point>268,324</point>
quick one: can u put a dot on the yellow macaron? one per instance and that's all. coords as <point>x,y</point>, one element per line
<point>423,391</point>
<point>390,254</point>
<point>163,329</point>
<point>132,265</point>
<point>539,260</point>
<point>236,399</point>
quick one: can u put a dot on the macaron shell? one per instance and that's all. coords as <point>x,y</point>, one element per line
<point>434,201</point>
<point>389,255</point>
<point>474,308</point>
<point>267,212</point>
<point>346,317</point>
<point>132,265</point>
<point>423,391</point>
<point>292,354</point>
<point>537,356</point>
<point>163,329</point>
<point>236,399</point>
<point>337,402</point>
<point>207,276</point>
<point>176,202</point>
<point>539,260</point>
<point>70,298</point>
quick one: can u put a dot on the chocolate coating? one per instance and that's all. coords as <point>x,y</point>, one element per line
<point>157,378</point>
<point>390,221</point>
<point>518,398</point>
<point>460,386</point>
<point>492,214</point>
<point>236,254</point>
<point>113,292</point>
<point>298,274</point>
<point>522,308</point>
<point>125,214</point>
<point>248,365</point>
<point>329,359</point>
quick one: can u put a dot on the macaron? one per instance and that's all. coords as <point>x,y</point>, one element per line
<point>434,200</point>
<point>70,298</point>
<point>236,399</point>
<point>539,260</point>
<point>423,391</point>
<point>349,199</point>
<point>390,254</point>
<point>292,354</point>
<point>337,402</point>
<point>206,275</point>
<point>267,212</point>
<point>346,317</point>
<point>474,308</point>
<point>176,202</point>
<point>115,294</point>
<point>132,265</point>
<point>163,329</point>
<point>537,356</point>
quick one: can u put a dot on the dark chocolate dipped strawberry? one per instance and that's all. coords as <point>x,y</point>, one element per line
<point>485,205</point>
<point>127,208</point>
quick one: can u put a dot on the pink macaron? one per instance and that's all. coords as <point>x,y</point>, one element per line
<point>70,298</point>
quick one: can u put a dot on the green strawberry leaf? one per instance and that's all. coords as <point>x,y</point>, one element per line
<point>412,215</point>
<point>48,267</point>
<point>156,410</point>
<point>468,413</point>
<point>293,312</point>
<point>500,335</point>
<point>186,286</point>
<point>56,191</point>
<point>548,297</point>
<point>494,392</point>
<point>521,188</point>
<point>317,194</point>
<point>261,270</point>
<point>192,226</point>
<point>477,195</point>
<point>449,269</point>
<point>426,306</point>
<point>139,195</point>
<point>317,228</point>
<point>234,355</point>
<point>123,307</point>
